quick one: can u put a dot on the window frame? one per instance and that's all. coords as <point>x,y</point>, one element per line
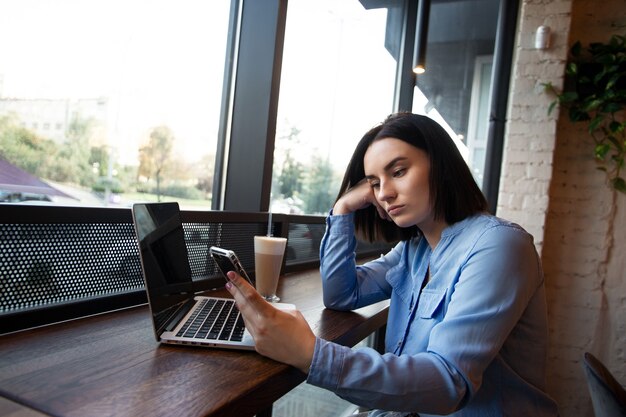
<point>248,118</point>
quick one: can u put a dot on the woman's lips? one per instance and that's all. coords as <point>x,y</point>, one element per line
<point>394,210</point>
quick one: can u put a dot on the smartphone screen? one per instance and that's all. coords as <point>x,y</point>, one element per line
<point>226,261</point>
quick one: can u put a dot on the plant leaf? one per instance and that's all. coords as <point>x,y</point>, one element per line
<point>615,142</point>
<point>577,115</point>
<point>612,107</point>
<point>619,184</point>
<point>598,77</point>
<point>614,78</point>
<point>606,59</point>
<point>551,107</point>
<point>592,105</point>
<point>593,125</point>
<point>601,150</point>
<point>616,127</point>
<point>609,95</point>
<point>568,97</point>
<point>576,49</point>
<point>571,68</point>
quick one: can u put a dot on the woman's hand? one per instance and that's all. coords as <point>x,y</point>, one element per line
<point>283,335</point>
<point>359,197</point>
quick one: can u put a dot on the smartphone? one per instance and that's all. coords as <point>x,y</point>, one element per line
<point>226,261</point>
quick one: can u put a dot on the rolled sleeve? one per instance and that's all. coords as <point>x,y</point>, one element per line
<point>402,383</point>
<point>347,286</point>
<point>327,364</point>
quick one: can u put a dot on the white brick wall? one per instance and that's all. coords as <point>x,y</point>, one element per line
<point>550,185</point>
<point>530,135</point>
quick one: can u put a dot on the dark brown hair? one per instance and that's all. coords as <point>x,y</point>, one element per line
<point>453,192</point>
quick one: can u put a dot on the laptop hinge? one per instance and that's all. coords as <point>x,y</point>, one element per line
<point>182,311</point>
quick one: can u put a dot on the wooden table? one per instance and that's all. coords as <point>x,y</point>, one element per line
<point>111,365</point>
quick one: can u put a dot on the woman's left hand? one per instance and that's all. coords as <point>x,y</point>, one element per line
<point>283,335</point>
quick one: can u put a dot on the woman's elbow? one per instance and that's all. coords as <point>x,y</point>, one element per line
<point>337,303</point>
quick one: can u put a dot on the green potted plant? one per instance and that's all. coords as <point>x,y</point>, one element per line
<point>595,93</point>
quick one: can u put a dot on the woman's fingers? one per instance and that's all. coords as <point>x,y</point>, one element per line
<point>248,300</point>
<point>241,284</point>
<point>356,198</point>
<point>359,197</point>
<point>281,335</point>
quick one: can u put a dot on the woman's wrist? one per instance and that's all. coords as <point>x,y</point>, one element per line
<point>341,208</point>
<point>305,365</point>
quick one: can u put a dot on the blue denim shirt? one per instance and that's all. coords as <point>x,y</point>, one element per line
<point>472,342</point>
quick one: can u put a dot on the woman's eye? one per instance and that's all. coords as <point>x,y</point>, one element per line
<point>399,172</point>
<point>374,184</point>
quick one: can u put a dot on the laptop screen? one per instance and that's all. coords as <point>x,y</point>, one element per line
<point>164,259</point>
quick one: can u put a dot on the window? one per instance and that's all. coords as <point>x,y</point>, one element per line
<point>291,114</point>
<point>124,82</point>
<point>337,81</point>
<point>455,89</point>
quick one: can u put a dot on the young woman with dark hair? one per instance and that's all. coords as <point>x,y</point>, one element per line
<point>467,326</point>
<point>453,190</point>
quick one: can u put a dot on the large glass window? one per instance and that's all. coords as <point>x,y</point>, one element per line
<point>108,102</point>
<point>455,89</point>
<point>337,81</point>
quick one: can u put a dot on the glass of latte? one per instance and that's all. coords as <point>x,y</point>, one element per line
<point>268,258</point>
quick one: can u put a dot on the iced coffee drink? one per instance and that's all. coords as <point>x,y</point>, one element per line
<point>268,258</point>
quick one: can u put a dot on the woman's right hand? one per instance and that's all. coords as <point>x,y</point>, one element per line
<point>359,197</point>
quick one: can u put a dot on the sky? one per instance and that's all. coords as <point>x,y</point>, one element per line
<point>157,62</point>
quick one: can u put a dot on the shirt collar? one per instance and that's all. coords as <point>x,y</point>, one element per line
<point>457,227</point>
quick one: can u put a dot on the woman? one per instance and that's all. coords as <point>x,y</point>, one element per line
<point>467,327</point>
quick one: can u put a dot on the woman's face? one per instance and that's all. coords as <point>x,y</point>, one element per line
<point>399,176</point>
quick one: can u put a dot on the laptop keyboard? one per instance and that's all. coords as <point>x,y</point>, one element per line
<point>214,319</point>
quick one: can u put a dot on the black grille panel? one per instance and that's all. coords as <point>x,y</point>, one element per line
<point>42,264</point>
<point>52,263</point>
<point>60,263</point>
<point>304,242</point>
<point>238,237</point>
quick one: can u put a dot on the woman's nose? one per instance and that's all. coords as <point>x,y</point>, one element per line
<point>385,192</point>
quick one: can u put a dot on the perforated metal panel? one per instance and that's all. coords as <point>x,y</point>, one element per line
<point>43,264</point>
<point>60,263</point>
<point>53,263</point>
<point>304,242</point>
<point>238,237</point>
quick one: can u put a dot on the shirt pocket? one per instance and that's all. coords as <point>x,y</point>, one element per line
<point>430,304</point>
<point>397,277</point>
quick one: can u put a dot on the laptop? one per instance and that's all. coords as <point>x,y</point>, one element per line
<point>179,316</point>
